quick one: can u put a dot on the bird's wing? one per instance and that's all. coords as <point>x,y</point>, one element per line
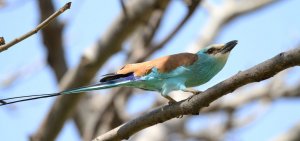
<point>113,76</point>
<point>163,64</point>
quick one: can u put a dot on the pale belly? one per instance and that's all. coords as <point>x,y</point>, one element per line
<point>189,80</point>
<point>150,85</point>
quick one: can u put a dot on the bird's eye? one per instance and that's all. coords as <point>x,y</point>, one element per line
<point>210,51</point>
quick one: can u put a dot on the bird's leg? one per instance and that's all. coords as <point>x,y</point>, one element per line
<point>193,91</point>
<point>171,100</point>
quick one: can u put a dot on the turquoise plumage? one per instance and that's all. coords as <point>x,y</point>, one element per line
<point>166,74</point>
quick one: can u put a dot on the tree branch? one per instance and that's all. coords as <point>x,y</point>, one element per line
<point>257,73</point>
<point>292,134</point>
<point>221,14</point>
<point>145,34</point>
<point>53,40</point>
<point>123,7</point>
<point>2,41</point>
<point>154,47</point>
<point>92,59</point>
<point>39,27</point>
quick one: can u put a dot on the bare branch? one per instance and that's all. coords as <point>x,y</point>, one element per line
<point>145,34</point>
<point>154,47</point>
<point>124,8</point>
<point>2,41</point>
<point>52,37</point>
<point>222,14</point>
<point>222,128</point>
<point>267,93</point>
<point>257,73</point>
<point>292,134</point>
<point>39,27</point>
<point>92,59</point>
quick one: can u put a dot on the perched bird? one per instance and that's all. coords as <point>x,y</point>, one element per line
<point>174,72</point>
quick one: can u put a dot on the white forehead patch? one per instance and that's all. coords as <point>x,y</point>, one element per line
<point>218,46</point>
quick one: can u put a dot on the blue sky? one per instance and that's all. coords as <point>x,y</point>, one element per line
<point>261,34</point>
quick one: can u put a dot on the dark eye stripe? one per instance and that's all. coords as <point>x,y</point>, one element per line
<point>210,51</point>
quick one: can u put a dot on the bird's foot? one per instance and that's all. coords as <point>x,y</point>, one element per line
<point>180,116</point>
<point>193,91</point>
<point>196,92</point>
<point>171,102</point>
<point>189,98</point>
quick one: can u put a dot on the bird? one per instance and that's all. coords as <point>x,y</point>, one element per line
<point>181,71</point>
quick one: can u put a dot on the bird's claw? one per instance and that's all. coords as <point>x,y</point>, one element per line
<point>171,102</point>
<point>180,116</point>
<point>196,92</point>
<point>195,113</point>
<point>189,98</point>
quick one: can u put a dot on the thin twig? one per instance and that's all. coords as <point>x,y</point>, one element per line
<point>39,27</point>
<point>144,36</point>
<point>2,41</point>
<point>222,14</point>
<point>192,8</point>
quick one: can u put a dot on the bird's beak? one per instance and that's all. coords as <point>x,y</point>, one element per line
<point>229,46</point>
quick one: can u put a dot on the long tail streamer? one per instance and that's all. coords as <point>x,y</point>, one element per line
<point>17,99</point>
<point>101,85</point>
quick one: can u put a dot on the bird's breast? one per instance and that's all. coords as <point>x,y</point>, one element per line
<point>202,71</point>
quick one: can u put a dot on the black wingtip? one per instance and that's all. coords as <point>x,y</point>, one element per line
<point>113,76</point>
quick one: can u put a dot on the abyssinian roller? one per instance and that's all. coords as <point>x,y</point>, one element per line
<point>166,74</point>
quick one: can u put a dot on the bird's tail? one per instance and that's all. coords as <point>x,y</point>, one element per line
<point>101,85</point>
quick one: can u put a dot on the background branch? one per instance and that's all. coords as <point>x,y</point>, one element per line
<point>92,59</point>
<point>192,6</point>
<point>220,15</point>
<point>39,27</point>
<point>53,40</point>
<point>292,134</point>
<point>2,41</point>
<point>97,112</point>
<point>123,7</point>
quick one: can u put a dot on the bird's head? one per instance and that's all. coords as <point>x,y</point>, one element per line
<point>219,51</point>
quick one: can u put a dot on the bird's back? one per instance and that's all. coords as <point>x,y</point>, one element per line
<point>163,64</point>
